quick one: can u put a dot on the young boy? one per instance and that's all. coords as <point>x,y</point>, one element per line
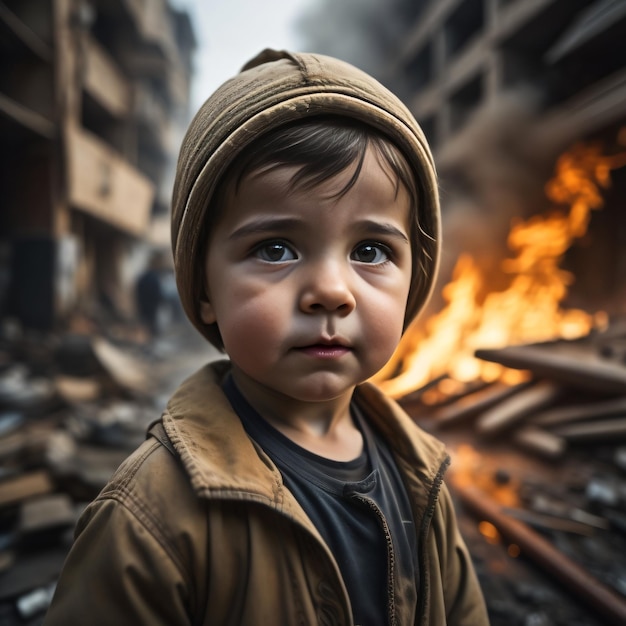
<point>279,487</point>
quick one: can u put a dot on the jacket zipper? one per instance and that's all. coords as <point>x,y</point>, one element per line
<point>391,558</point>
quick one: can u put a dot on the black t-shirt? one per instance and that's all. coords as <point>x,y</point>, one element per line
<point>355,505</point>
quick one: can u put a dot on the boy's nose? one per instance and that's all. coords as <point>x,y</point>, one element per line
<point>326,287</point>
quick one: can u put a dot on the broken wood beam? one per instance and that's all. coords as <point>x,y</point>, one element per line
<point>569,414</point>
<point>550,522</point>
<point>545,504</point>
<point>514,409</point>
<point>539,441</point>
<point>476,403</point>
<point>446,391</point>
<point>597,430</point>
<point>572,362</point>
<point>580,582</point>
<point>416,395</point>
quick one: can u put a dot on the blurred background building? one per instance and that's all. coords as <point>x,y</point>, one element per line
<point>93,102</point>
<point>449,59</point>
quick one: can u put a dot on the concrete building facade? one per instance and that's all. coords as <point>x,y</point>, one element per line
<point>93,101</point>
<point>461,55</point>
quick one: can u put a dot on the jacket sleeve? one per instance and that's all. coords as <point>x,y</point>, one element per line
<point>463,597</point>
<point>119,571</point>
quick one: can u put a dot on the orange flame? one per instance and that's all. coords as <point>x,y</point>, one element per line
<point>529,309</point>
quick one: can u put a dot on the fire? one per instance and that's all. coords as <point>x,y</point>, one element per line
<point>529,308</point>
<point>469,469</point>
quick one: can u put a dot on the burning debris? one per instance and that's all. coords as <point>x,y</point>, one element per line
<point>539,467</point>
<point>531,398</point>
<point>529,308</point>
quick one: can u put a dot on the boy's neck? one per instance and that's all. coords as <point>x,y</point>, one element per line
<point>323,428</point>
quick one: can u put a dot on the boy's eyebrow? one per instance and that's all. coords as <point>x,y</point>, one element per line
<point>265,225</point>
<point>383,228</point>
<point>271,224</point>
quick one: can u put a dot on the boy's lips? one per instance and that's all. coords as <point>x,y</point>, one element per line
<point>325,348</point>
<point>325,351</point>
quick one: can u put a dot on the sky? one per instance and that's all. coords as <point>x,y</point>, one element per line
<point>230,32</point>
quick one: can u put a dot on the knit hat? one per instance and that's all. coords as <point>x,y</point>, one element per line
<point>273,89</point>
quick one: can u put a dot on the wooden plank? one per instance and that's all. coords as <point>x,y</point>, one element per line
<point>102,183</point>
<point>476,403</point>
<point>598,430</point>
<point>550,522</point>
<point>541,442</point>
<point>518,407</point>
<point>577,413</point>
<point>443,391</point>
<point>14,490</point>
<point>576,363</point>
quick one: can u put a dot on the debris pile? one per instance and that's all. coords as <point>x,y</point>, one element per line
<point>539,470</point>
<point>538,467</point>
<point>71,409</point>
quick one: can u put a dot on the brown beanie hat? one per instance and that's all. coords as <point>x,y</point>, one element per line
<point>273,89</point>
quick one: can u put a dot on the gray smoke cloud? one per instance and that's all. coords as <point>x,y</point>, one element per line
<point>366,33</point>
<point>492,171</point>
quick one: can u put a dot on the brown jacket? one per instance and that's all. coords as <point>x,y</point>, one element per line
<point>206,533</point>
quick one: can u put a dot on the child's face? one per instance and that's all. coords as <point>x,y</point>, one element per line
<point>308,290</point>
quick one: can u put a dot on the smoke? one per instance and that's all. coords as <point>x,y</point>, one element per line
<point>492,173</point>
<point>365,33</point>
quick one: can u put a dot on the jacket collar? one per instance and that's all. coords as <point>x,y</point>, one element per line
<point>222,461</point>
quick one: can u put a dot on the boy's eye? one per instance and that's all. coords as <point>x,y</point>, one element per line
<point>371,253</point>
<point>275,252</point>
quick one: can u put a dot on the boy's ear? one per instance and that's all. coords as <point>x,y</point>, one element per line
<point>207,315</point>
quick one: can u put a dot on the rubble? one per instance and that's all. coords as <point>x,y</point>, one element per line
<point>72,407</point>
<point>605,602</point>
<point>544,462</point>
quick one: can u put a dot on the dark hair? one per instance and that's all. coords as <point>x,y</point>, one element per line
<point>321,148</point>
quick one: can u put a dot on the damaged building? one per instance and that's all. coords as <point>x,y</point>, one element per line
<point>93,102</point>
<point>502,88</point>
